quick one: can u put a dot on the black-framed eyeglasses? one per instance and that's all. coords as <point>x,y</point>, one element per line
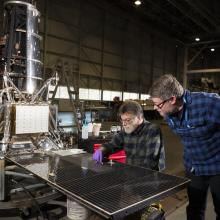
<point>160,105</point>
<point>127,120</point>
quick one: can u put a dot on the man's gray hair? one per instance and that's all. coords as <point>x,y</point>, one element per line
<point>165,87</point>
<point>131,107</point>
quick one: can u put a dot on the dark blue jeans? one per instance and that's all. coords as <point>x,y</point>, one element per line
<point>197,194</point>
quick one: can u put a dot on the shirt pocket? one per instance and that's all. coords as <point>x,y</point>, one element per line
<point>197,129</point>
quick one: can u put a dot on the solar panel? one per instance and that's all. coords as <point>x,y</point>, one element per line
<point>114,191</point>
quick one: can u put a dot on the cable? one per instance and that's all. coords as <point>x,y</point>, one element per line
<point>32,197</point>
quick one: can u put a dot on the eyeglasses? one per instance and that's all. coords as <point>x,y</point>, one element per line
<point>160,105</point>
<point>127,120</point>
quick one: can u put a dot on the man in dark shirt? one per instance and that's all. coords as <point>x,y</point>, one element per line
<point>140,139</point>
<point>195,117</point>
<point>142,142</point>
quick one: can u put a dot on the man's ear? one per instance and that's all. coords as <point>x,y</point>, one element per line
<point>140,117</point>
<point>173,100</point>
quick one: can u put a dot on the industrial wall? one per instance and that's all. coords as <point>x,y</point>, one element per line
<point>110,49</point>
<point>104,47</point>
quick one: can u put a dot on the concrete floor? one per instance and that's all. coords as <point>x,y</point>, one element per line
<point>174,205</point>
<point>173,150</point>
<point>180,212</point>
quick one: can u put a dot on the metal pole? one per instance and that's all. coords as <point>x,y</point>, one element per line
<point>185,68</point>
<point>2,179</point>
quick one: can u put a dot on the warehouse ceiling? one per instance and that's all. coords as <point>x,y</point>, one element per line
<point>183,19</point>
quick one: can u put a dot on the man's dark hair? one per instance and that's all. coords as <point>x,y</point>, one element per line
<point>131,107</point>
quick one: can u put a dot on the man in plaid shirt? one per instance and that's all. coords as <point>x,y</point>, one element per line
<point>142,142</point>
<point>195,117</point>
<point>140,139</point>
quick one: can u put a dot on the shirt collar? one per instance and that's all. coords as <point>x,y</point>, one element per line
<point>187,97</point>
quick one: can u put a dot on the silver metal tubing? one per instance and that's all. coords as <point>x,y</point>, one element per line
<point>19,3</point>
<point>2,179</point>
<point>12,167</point>
<point>19,174</point>
<point>54,202</point>
<point>34,186</point>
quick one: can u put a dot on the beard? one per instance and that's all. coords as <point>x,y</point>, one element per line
<point>175,112</point>
<point>129,129</point>
<point>171,112</point>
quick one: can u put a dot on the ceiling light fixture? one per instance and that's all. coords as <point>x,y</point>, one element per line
<point>197,39</point>
<point>137,2</point>
<point>212,49</point>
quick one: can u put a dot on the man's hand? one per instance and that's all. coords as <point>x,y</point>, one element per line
<point>98,156</point>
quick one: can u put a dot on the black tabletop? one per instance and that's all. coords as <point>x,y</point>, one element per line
<point>112,190</point>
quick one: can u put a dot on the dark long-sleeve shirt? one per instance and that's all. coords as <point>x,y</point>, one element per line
<point>143,147</point>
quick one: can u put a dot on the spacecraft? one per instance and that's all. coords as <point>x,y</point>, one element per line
<point>28,121</point>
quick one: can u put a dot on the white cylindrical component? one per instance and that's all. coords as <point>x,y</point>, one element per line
<point>85,132</point>
<point>96,129</point>
<point>90,127</point>
<point>75,211</point>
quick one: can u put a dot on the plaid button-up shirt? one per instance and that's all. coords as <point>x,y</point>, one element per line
<point>199,129</point>
<point>143,147</point>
